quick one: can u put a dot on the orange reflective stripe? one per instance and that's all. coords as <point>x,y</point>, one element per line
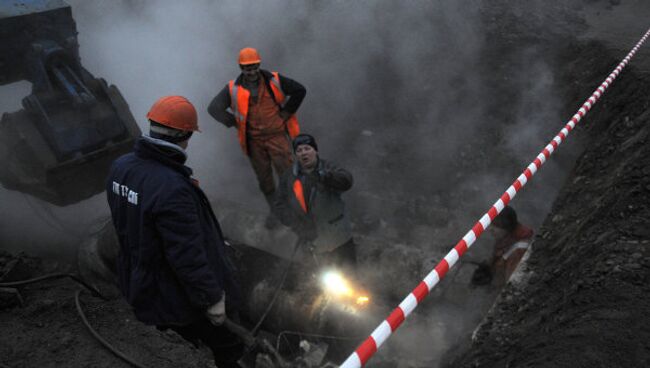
<point>300,195</point>
<point>239,106</point>
<point>293,128</point>
<point>234,102</point>
<point>278,93</point>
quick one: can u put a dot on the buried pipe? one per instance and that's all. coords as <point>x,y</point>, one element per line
<point>279,294</point>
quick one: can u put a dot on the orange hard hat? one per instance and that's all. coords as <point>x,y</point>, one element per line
<point>174,112</point>
<point>248,56</point>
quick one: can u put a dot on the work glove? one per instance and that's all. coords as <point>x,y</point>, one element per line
<point>324,175</point>
<point>230,122</point>
<point>217,312</point>
<point>285,115</point>
<point>482,275</point>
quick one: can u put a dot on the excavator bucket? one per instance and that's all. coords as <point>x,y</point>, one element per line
<point>73,125</point>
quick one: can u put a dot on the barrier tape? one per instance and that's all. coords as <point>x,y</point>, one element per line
<point>369,347</point>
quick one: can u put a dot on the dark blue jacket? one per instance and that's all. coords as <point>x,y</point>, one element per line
<point>172,264</point>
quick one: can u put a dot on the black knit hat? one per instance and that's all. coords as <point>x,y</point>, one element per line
<point>507,219</point>
<point>304,139</point>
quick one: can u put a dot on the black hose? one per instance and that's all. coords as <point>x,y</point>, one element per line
<point>101,339</point>
<point>475,263</point>
<point>298,333</point>
<point>74,277</point>
<point>94,291</point>
<point>299,241</point>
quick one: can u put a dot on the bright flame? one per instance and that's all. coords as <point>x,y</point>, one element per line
<point>339,288</point>
<point>336,284</point>
<point>362,300</point>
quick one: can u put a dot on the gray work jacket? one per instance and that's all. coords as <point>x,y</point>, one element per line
<point>325,221</point>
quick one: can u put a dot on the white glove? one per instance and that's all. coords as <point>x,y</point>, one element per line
<point>217,312</point>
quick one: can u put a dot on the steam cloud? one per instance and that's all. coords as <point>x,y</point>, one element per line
<point>405,95</point>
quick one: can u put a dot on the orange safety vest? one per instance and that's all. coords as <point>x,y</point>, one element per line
<point>300,194</point>
<point>239,97</point>
<point>510,250</point>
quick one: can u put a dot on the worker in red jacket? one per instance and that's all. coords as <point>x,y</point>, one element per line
<point>512,242</point>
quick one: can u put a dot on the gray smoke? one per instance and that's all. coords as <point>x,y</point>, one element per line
<point>407,95</point>
<point>380,67</point>
<point>32,225</point>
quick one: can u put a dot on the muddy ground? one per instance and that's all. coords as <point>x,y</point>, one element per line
<point>586,286</point>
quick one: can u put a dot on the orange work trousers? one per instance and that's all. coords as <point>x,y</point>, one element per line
<point>268,153</point>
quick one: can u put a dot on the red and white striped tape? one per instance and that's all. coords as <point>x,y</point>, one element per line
<point>368,348</point>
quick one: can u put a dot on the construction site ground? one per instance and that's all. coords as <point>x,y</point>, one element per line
<point>582,298</point>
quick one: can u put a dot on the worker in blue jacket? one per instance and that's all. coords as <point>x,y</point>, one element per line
<point>172,266</point>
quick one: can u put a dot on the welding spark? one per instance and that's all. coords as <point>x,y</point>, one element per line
<point>336,286</point>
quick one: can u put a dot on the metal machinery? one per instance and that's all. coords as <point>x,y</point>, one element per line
<point>73,125</point>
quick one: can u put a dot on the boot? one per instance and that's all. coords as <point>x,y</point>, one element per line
<point>271,222</point>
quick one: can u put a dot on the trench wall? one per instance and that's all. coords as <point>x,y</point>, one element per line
<point>583,296</point>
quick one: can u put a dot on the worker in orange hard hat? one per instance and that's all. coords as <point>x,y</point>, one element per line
<point>173,119</point>
<point>262,105</point>
<point>172,267</point>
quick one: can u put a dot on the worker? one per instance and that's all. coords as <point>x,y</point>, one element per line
<point>512,240</point>
<point>172,265</point>
<point>262,105</point>
<point>309,202</point>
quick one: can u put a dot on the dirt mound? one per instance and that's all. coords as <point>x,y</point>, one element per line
<point>48,332</point>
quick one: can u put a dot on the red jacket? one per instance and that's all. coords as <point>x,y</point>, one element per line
<point>509,250</point>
